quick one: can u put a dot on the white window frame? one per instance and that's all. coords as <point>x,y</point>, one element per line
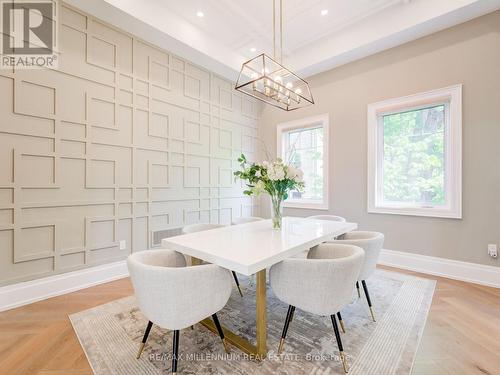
<point>305,123</point>
<point>452,98</point>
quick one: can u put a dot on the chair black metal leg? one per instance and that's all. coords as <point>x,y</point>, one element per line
<point>357,287</point>
<point>221,332</point>
<point>339,342</point>
<point>144,339</point>
<point>365,288</point>
<point>293,314</point>
<point>237,283</point>
<point>175,352</point>
<point>291,310</point>
<point>341,322</point>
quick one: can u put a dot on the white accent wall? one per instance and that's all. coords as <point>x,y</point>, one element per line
<point>123,139</point>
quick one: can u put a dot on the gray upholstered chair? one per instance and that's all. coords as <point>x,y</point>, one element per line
<point>327,217</point>
<point>246,219</point>
<point>193,228</point>
<point>174,296</point>
<point>371,243</point>
<point>322,284</point>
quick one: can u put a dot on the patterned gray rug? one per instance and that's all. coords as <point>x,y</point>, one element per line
<point>110,335</point>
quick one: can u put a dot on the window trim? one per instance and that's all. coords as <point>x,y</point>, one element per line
<point>452,96</point>
<point>305,123</point>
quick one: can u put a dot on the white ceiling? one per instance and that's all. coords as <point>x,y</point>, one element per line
<point>222,39</point>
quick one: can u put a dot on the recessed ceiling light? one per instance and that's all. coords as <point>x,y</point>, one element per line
<point>253,49</point>
<point>200,13</point>
<point>324,12</point>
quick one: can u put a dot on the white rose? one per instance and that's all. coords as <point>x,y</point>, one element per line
<point>279,172</point>
<point>291,172</point>
<point>271,174</point>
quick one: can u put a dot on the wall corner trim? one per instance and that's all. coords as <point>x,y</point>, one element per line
<point>19,294</point>
<point>451,269</point>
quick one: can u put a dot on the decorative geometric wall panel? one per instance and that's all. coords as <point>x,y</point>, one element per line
<point>35,170</point>
<point>102,113</point>
<point>43,99</point>
<point>6,196</point>
<point>36,242</point>
<point>102,53</point>
<point>71,261</point>
<point>6,217</point>
<point>122,140</point>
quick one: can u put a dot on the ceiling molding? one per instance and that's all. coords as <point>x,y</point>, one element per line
<point>220,42</point>
<point>375,36</point>
<point>149,33</point>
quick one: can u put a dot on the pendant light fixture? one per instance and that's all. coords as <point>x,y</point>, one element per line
<point>266,79</point>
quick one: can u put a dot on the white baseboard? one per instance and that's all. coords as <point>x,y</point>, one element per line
<point>23,293</point>
<point>452,269</point>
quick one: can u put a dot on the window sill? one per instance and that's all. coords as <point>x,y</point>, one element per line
<point>410,211</point>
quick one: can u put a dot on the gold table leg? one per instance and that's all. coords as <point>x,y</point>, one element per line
<point>261,314</point>
<point>256,351</point>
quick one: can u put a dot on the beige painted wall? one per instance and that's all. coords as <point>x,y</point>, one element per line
<point>123,139</point>
<point>467,54</point>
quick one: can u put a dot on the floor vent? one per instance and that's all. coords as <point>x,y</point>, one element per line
<point>158,235</point>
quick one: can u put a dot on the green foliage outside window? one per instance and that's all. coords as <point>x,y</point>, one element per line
<point>413,160</point>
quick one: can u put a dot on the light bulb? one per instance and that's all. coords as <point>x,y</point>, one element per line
<point>289,85</point>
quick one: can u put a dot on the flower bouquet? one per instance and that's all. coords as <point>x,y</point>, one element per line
<point>274,178</point>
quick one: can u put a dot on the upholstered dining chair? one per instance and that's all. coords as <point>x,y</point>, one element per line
<point>192,228</point>
<point>327,217</point>
<point>371,243</point>
<point>246,219</point>
<point>322,284</point>
<point>174,296</point>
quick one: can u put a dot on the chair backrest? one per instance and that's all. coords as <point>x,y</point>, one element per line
<point>192,228</point>
<point>321,284</point>
<point>371,243</point>
<point>246,219</point>
<point>172,295</point>
<point>327,217</point>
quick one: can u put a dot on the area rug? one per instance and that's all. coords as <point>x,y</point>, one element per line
<point>110,335</point>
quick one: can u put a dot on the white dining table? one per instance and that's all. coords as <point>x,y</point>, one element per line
<point>249,249</point>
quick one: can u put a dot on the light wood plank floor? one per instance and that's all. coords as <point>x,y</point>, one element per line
<point>462,335</point>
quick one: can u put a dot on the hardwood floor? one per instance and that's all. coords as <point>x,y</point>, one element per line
<point>462,335</point>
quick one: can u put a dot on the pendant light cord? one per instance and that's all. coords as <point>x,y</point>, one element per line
<point>281,31</point>
<point>275,55</point>
<point>274,29</point>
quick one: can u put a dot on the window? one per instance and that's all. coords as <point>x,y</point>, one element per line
<point>415,154</point>
<point>304,144</point>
